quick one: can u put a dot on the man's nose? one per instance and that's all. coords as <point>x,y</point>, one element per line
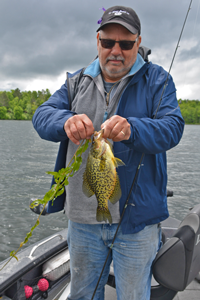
<point>116,50</point>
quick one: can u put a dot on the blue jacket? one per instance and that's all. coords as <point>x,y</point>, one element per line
<point>153,137</point>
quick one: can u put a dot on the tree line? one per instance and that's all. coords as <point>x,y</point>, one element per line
<point>190,110</point>
<point>17,105</point>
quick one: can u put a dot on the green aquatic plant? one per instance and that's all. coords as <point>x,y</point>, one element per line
<point>61,180</point>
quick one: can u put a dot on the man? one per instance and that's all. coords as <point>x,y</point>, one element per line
<point>119,92</point>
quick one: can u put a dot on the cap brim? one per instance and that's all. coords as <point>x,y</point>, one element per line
<point>127,26</point>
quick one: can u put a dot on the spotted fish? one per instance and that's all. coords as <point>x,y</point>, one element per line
<point>100,176</point>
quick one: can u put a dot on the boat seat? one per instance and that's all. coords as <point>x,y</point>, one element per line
<point>178,261</point>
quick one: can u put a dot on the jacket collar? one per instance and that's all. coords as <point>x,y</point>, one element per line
<point>94,69</point>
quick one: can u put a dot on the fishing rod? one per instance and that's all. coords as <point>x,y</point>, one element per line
<point>141,159</point>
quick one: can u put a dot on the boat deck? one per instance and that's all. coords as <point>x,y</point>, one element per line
<point>192,292</point>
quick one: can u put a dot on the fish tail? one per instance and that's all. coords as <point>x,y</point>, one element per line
<point>103,214</point>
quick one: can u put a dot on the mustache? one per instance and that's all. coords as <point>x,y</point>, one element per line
<point>113,57</point>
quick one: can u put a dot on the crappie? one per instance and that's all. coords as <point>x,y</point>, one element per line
<point>100,176</point>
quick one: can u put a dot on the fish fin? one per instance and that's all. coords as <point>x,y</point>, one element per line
<point>86,187</point>
<point>119,162</point>
<point>116,194</point>
<point>103,214</point>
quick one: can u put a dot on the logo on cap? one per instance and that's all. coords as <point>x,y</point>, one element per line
<point>118,12</point>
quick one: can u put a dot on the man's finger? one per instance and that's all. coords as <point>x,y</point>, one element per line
<point>78,127</point>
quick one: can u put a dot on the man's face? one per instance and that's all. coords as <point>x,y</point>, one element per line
<point>115,62</point>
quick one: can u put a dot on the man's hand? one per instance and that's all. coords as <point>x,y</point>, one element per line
<point>116,128</point>
<point>78,127</point>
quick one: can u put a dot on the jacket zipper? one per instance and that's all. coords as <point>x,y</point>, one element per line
<point>107,101</point>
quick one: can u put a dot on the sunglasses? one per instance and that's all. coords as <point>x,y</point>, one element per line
<point>124,45</point>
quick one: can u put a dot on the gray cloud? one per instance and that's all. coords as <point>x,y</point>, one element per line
<point>42,39</point>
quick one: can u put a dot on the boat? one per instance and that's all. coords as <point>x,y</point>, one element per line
<point>43,269</point>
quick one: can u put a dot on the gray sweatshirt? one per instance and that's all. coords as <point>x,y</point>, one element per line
<point>90,100</point>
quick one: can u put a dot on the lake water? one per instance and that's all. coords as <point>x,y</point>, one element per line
<point>25,157</point>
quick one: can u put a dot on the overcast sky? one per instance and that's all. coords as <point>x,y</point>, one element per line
<point>40,40</point>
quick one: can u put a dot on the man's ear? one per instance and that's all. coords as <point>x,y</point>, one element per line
<point>97,40</point>
<point>139,40</point>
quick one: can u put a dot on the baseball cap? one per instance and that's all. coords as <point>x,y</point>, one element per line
<point>122,15</point>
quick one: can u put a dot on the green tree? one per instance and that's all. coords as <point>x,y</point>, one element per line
<point>4,100</point>
<point>3,112</point>
<point>17,93</point>
<point>10,95</point>
<point>198,114</point>
<point>22,103</point>
<point>18,111</point>
<point>14,103</point>
<point>29,109</point>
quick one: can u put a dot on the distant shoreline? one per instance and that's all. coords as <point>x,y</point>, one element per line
<point>31,121</point>
<point>19,105</point>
